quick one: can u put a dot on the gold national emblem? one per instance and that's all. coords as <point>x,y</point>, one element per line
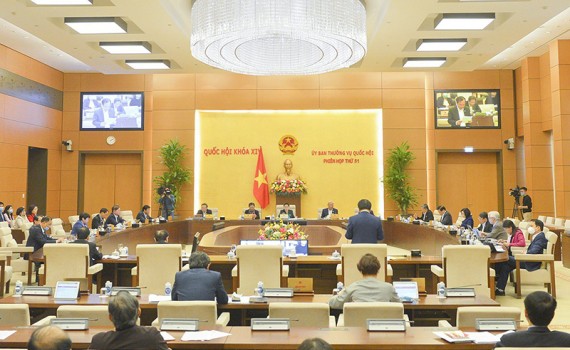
<point>288,144</point>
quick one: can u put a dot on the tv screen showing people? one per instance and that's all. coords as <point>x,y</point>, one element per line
<point>112,111</point>
<point>461,109</point>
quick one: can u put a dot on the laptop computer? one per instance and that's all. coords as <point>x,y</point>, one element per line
<point>407,291</point>
<point>66,290</point>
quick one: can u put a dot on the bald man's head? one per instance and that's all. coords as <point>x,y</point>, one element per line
<point>49,338</point>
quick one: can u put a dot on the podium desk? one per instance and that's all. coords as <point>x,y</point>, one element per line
<point>343,338</point>
<point>427,311</point>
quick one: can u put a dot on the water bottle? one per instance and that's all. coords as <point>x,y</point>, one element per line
<point>167,289</point>
<point>18,288</point>
<point>108,286</point>
<point>441,290</point>
<point>259,290</point>
<point>339,286</point>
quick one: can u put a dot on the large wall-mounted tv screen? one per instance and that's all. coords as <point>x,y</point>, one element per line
<point>112,111</point>
<point>460,109</point>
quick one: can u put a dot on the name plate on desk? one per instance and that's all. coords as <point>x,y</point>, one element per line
<point>180,324</point>
<point>495,324</point>
<point>460,292</point>
<point>270,324</point>
<point>71,324</point>
<point>279,292</point>
<point>134,291</point>
<point>31,290</point>
<point>387,325</point>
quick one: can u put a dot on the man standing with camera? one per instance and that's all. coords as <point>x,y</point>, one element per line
<point>526,206</point>
<point>167,201</point>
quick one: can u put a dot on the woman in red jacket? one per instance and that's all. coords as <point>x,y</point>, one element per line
<point>516,236</point>
<point>31,212</point>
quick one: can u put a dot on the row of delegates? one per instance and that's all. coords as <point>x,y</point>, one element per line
<point>7,215</point>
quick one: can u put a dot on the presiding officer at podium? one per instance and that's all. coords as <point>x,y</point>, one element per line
<point>364,227</point>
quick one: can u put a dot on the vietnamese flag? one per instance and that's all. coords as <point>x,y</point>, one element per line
<point>260,184</point>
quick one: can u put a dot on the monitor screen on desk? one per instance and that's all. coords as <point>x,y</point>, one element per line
<point>406,290</point>
<point>301,245</point>
<point>467,109</point>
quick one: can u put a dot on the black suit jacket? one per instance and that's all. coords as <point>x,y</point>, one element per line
<point>527,202</point>
<point>135,337</point>
<point>93,252</point>
<point>290,213</point>
<point>536,246</point>
<point>427,216</point>
<point>326,212</point>
<point>256,212</point>
<point>200,212</point>
<point>99,118</point>
<point>112,220</point>
<point>476,109</point>
<point>540,337</point>
<point>199,284</point>
<point>364,228</point>
<point>446,219</point>
<point>485,227</point>
<point>453,116</point>
<point>141,217</point>
<point>97,222</point>
<point>38,238</point>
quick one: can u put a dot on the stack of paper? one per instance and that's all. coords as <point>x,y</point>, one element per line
<point>155,298</point>
<point>469,337</point>
<point>6,334</point>
<point>203,335</point>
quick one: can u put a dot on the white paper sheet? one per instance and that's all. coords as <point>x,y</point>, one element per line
<point>166,336</point>
<point>6,334</point>
<point>203,335</point>
<point>155,297</point>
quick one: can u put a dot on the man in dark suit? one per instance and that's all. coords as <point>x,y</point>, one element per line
<point>199,283</point>
<point>456,113</point>
<point>204,210</point>
<point>364,227</point>
<point>329,210</point>
<point>446,218</point>
<point>286,211</point>
<point>38,236</point>
<point>104,117</point>
<point>99,219</point>
<point>427,215</point>
<point>472,106</point>
<point>539,308</point>
<point>537,246</point>
<point>82,222</point>
<point>114,219</point>
<point>485,225</point>
<point>124,311</point>
<point>94,254</point>
<point>252,211</point>
<point>144,214</point>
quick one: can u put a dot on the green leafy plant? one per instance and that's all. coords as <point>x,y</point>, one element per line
<point>396,180</point>
<point>172,155</point>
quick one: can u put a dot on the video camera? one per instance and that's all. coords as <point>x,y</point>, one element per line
<point>515,192</point>
<point>163,190</point>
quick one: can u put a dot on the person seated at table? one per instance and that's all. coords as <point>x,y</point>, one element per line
<point>20,218</point>
<point>8,214</point>
<point>161,237</point>
<point>516,236</point>
<point>468,221</point>
<point>446,218</point>
<point>31,212</point>
<point>252,211</point>
<point>124,310</point>
<point>329,211</point>
<point>199,283</point>
<point>286,211</point>
<point>498,232</point>
<point>368,289</point>
<point>472,105</point>
<point>427,214</point>
<point>203,211</point>
<point>99,219</point>
<point>82,236</point>
<point>484,224</point>
<point>539,309</point>
<point>49,338</point>
<point>537,245</point>
<point>38,234</point>
<point>314,344</point>
<point>114,219</point>
<point>82,222</point>
<point>144,215</point>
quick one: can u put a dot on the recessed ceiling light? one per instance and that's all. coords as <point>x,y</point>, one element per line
<point>97,25</point>
<point>126,47</point>
<point>463,21</point>
<point>424,62</point>
<point>63,2</point>
<point>440,44</point>
<point>148,64</point>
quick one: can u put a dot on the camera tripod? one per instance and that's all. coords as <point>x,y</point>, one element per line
<point>517,212</point>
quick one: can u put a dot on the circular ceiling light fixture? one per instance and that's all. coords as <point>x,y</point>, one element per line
<point>277,37</point>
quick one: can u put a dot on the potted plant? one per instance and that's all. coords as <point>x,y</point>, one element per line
<point>396,179</point>
<point>172,155</point>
